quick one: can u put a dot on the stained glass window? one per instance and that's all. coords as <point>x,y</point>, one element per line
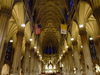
<point>30,4</point>
<point>92,49</point>
<point>50,50</point>
<point>53,50</point>
<point>8,51</point>
<point>71,4</point>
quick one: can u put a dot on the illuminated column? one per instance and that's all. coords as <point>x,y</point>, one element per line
<point>26,58</point>
<point>17,54</point>
<point>86,52</point>
<point>66,64</point>
<point>70,61</point>
<point>3,56</point>
<point>76,58</point>
<point>83,63</point>
<point>4,20</point>
<point>32,62</point>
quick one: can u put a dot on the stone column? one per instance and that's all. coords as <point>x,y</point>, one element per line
<point>70,61</point>
<point>3,56</point>
<point>83,63</point>
<point>32,62</point>
<point>26,58</point>
<point>86,52</point>
<point>76,58</point>
<point>97,49</point>
<point>35,64</point>
<point>66,64</point>
<point>17,53</point>
<point>4,20</point>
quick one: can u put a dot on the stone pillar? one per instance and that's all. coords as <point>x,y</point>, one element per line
<point>97,49</point>
<point>17,54</point>
<point>32,62</point>
<point>3,56</point>
<point>70,61</point>
<point>76,58</point>
<point>83,63</point>
<point>86,52</point>
<point>4,20</point>
<point>26,58</point>
<point>66,64</point>
<point>35,64</point>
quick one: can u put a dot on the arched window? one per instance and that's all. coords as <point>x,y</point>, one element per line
<point>92,49</point>
<point>53,50</point>
<point>8,50</point>
<point>50,51</point>
<point>71,4</point>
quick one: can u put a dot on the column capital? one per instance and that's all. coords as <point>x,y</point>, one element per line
<point>20,33</point>
<point>27,44</point>
<point>6,12</point>
<point>82,32</point>
<point>74,43</point>
<point>69,49</point>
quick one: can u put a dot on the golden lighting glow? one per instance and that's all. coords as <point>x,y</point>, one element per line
<point>35,47</point>
<point>81,26</point>
<point>22,25</point>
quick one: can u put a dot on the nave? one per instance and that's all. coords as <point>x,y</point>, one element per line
<point>47,37</point>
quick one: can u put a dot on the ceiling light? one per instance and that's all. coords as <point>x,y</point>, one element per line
<point>63,51</point>
<point>35,47</point>
<point>37,51</point>
<point>66,46</point>
<point>81,46</point>
<point>72,39</point>
<point>39,55</point>
<point>22,25</point>
<point>91,38</point>
<point>11,40</point>
<point>81,26</point>
<point>31,39</point>
<point>61,55</point>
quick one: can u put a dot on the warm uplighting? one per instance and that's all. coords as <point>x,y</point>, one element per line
<point>37,51</point>
<point>63,51</point>
<point>72,54</point>
<point>72,39</point>
<point>35,47</point>
<point>66,46</point>
<point>11,40</point>
<point>91,38</point>
<point>22,25</point>
<point>31,39</point>
<point>81,26</point>
<point>39,55</point>
<point>29,56</point>
<point>61,55</point>
<point>81,46</point>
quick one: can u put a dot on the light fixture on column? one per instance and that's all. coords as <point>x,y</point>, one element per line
<point>81,46</point>
<point>29,56</point>
<point>30,39</point>
<point>61,55</point>
<point>22,25</point>
<point>63,51</point>
<point>66,46</point>
<point>11,40</point>
<point>72,39</point>
<point>37,51</point>
<point>81,26</point>
<point>39,55</point>
<point>72,54</point>
<point>91,38</point>
<point>35,47</point>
